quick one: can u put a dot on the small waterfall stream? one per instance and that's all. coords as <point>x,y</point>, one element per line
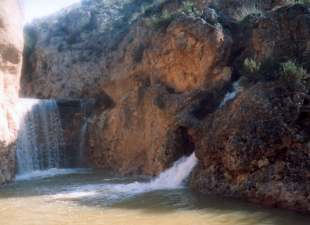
<point>40,152</point>
<point>86,108</point>
<point>230,95</point>
<point>173,177</point>
<point>82,145</point>
<point>40,137</point>
<point>170,179</point>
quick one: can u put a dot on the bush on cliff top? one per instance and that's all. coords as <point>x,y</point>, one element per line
<point>294,76</point>
<point>290,73</point>
<point>160,21</point>
<point>190,9</point>
<point>247,10</point>
<point>164,18</point>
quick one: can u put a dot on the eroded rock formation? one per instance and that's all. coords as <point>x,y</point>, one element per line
<point>257,147</point>
<point>71,54</point>
<point>143,72</point>
<point>148,91</point>
<point>11,45</point>
<point>280,34</point>
<point>159,75</point>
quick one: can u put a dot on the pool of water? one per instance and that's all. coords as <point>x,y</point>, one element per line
<point>86,197</point>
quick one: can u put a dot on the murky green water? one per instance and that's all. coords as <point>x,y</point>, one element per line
<point>94,199</point>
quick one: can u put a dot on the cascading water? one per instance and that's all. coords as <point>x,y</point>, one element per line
<point>40,154</point>
<point>82,145</point>
<point>232,93</point>
<point>86,108</point>
<point>172,178</point>
<point>40,137</point>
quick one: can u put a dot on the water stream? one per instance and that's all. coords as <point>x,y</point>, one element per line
<point>47,194</point>
<point>93,197</point>
<point>231,94</point>
<point>40,136</point>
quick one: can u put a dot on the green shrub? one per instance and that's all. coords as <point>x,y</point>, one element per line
<point>253,71</point>
<point>164,18</point>
<point>189,8</point>
<point>249,7</point>
<point>245,11</point>
<point>250,72</point>
<point>160,20</point>
<point>290,73</point>
<point>293,75</point>
<point>251,66</point>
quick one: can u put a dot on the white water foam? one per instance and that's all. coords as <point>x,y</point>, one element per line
<point>173,178</point>
<point>41,174</point>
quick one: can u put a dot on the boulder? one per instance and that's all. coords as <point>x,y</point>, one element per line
<point>257,147</point>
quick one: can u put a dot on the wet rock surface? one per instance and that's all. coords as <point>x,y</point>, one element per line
<point>74,115</point>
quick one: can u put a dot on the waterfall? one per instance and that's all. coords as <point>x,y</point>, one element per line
<point>40,136</point>
<point>232,93</point>
<point>86,107</point>
<point>82,145</point>
<point>172,178</point>
<point>175,176</point>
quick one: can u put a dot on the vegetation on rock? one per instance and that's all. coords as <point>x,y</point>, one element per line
<point>294,75</point>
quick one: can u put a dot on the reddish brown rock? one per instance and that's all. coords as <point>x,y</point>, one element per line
<point>146,129</point>
<point>281,34</point>
<point>74,115</point>
<point>256,147</point>
<point>186,55</point>
<point>142,132</point>
<point>146,72</point>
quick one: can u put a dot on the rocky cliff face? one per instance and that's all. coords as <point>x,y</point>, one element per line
<point>71,54</point>
<point>141,67</point>
<point>159,73</point>
<point>257,147</point>
<point>11,45</point>
<point>74,114</point>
